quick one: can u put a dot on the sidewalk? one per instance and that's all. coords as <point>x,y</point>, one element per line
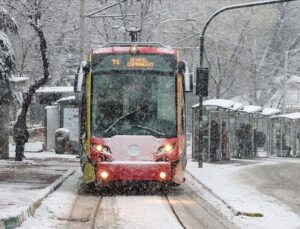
<point>252,188</point>
<point>24,185</point>
<point>29,147</point>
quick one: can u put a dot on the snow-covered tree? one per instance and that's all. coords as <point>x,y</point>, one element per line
<point>7,66</point>
<point>32,11</point>
<point>7,56</point>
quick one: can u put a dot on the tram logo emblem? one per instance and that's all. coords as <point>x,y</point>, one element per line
<point>133,150</point>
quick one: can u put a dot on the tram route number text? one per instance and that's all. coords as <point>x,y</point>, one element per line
<point>115,61</point>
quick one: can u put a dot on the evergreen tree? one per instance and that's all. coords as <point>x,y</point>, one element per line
<point>7,57</point>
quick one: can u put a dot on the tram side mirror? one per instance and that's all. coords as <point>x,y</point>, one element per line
<point>202,81</point>
<point>83,69</point>
<point>184,70</point>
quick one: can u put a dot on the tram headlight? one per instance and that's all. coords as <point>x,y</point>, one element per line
<point>163,175</point>
<point>167,148</point>
<point>104,175</point>
<point>101,148</point>
<point>98,148</point>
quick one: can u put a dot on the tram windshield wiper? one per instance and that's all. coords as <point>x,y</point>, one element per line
<point>124,116</point>
<point>150,129</point>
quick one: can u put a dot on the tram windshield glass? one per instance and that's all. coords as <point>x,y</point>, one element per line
<point>133,103</point>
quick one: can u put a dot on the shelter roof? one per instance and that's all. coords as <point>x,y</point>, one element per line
<point>294,79</point>
<point>18,79</point>
<point>55,89</point>
<point>292,116</point>
<point>270,111</point>
<point>236,106</point>
<point>222,103</point>
<point>251,109</point>
<point>70,98</point>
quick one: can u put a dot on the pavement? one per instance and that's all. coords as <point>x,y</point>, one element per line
<point>264,191</point>
<point>261,193</point>
<point>24,185</point>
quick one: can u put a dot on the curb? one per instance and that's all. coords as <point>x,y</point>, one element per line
<point>235,212</point>
<point>15,221</point>
<point>230,207</point>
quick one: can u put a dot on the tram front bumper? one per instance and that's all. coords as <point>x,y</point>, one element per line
<point>134,171</point>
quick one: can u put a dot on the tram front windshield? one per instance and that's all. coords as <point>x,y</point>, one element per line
<point>134,104</point>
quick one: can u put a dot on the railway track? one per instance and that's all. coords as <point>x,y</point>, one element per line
<point>174,212</point>
<point>180,208</point>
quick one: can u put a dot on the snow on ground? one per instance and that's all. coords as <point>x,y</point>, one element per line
<point>29,147</point>
<point>242,184</point>
<point>115,211</point>
<point>15,199</point>
<point>22,183</point>
<point>33,150</point>
<point>58,205</point>
<point>225,181</point>
<point>145,212</point>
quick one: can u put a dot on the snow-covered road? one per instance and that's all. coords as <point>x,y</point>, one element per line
<point>210,198</point>
<point>70,207</point>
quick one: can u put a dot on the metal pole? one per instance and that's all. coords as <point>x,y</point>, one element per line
<point>231,7</point>
<point>284,81</point>
<point>81,43</point>
<point>200,151</point>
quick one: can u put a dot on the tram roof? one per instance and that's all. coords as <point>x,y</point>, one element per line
<point>142,48</point>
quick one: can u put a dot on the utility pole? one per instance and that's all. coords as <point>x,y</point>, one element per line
<point>202,37</point>
<point>286,55</point>
<point>81,45</point>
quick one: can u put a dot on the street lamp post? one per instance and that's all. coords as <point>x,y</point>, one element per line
<point>202,37</point>
<point>286,56</point>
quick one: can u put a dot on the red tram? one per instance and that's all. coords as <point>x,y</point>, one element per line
<point>133,113</point>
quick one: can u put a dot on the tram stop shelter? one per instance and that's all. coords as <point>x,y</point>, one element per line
<point>245,133</point>
<point>264,133</point>
<point>215,129</point>
<point>286,134</point>
<point>231,129</point>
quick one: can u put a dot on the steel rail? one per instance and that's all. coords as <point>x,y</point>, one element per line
<point>174,212</point>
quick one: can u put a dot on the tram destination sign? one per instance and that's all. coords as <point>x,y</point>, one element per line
<point>154,62</point>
